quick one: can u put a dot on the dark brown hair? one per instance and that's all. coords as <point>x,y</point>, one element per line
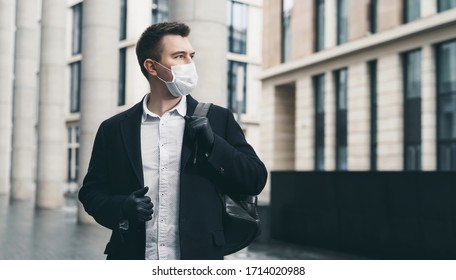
<point>149,44</point>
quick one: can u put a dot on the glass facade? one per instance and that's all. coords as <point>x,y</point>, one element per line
<point>342,21</point>
<point>287,6</point>
<point>160,11</point>
<point>373,16</point>
<point>319,107</point>
<point>372,65</point>
<point>123,19</point>
<point>122,76</point>
<point>73,154</point>
<point>446,106</point>
<point>412,110</point>
<point>237,27</point>
<point>411,10</point>
<point>75,87</point>
<point>320,25</point>
<point>76,44</point>
<point>233,68</point>
<point>443,5</point>
<point>340,78</point>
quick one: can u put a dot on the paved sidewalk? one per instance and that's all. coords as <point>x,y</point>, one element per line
<point>27,233</point>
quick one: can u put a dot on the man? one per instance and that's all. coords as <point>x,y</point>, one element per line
<point>156,170</point>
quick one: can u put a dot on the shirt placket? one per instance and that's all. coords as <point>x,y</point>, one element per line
<point>163,189</point>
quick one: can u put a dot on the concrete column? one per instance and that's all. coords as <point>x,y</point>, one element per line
<point>358,19</point>
<point>428,8</point>
<point>207,20</point>
<point>305,124</point>
<point>51,165</point>
<point>330,122</point>
<point>390,108</point>
<point>6,89</point>
<point>267,129</point>
<point>99,76</point>
<point>358,120</point>
<point>24,112</point>
<point>330,23</point>
<point>302,28</point>
<point>428,110</point>
<point>389,14</point>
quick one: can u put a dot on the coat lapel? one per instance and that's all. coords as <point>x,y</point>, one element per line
<point>186,146</point>
<point>131,136</point>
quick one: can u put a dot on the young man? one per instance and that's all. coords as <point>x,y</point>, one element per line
<point>147,182</point>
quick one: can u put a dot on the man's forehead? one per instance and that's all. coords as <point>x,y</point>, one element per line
<point>176,43</point>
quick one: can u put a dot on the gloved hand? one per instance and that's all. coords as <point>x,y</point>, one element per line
<point>138,207</point>
<point>200,130</point>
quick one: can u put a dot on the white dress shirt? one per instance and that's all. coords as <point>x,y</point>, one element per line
<point>161,144</point>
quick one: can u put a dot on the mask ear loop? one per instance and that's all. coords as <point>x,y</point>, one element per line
<point>172,73</point>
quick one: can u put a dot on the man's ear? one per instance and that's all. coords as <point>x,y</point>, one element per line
<point>149,65</point>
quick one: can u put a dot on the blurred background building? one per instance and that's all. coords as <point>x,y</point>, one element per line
<point>359,85</point>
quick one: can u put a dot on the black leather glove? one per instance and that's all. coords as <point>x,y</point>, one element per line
<point>138,207</point>
<point>200,130</point>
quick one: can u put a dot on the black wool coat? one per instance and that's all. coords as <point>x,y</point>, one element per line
<point>115,171</point>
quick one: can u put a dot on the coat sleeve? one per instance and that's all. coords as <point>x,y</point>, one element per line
<point>95,194</point>
<point>235,161</point>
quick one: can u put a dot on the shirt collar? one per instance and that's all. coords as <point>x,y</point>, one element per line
<point>180,108</point>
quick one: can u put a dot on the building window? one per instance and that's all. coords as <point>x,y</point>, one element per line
<point>412,110</point>
<point>73,153</point>
<point>411,10</point>
<point>446,106</point>
<point>342,22</point>
<point>123,19</point>
<point>372,65</point>
<point>237,27</point>
<point>75,86</point>
<point>373,16</point>
<point>340,78</point>
<point>444,5</point>
<point>237,73</point>
<point>287,7</point>
<point>319,97</point>
<point>320,25</point>
<point>160,11</point>
<point>76,47</point>
<point>122,76</point>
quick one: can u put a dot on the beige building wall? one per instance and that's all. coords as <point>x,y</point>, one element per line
<point>390,112</point>
<point>428,109</point>
<point>302,28</point>
<point>330,122</point>
<point>389,14</point>
<point>271,33</point>
<point>305,125</point>
<point>358,117</point>
<point>358,19</point>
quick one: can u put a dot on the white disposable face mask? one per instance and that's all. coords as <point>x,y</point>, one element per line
<point>184,79</point>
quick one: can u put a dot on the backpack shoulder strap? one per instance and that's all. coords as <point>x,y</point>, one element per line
<point>202,109</point>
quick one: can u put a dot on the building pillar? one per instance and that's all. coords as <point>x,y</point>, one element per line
<point>428,8</point>
<point>210,57</point>
<point>358,119</point>
<point>99,73</point>
<point>6,89</point>
<point>51,165</point>
<point>330,122</point>
<point>330,23</point>
<point>305,124</point>
<point>25,101</point>
<point>428,109</point>
<point>390,108</point>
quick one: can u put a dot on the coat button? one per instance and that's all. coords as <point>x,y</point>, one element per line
<point>221,170</point>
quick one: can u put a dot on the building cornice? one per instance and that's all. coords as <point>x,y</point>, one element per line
<point>404,31</point>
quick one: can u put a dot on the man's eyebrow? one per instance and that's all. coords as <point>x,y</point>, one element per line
<point>181,52</point>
